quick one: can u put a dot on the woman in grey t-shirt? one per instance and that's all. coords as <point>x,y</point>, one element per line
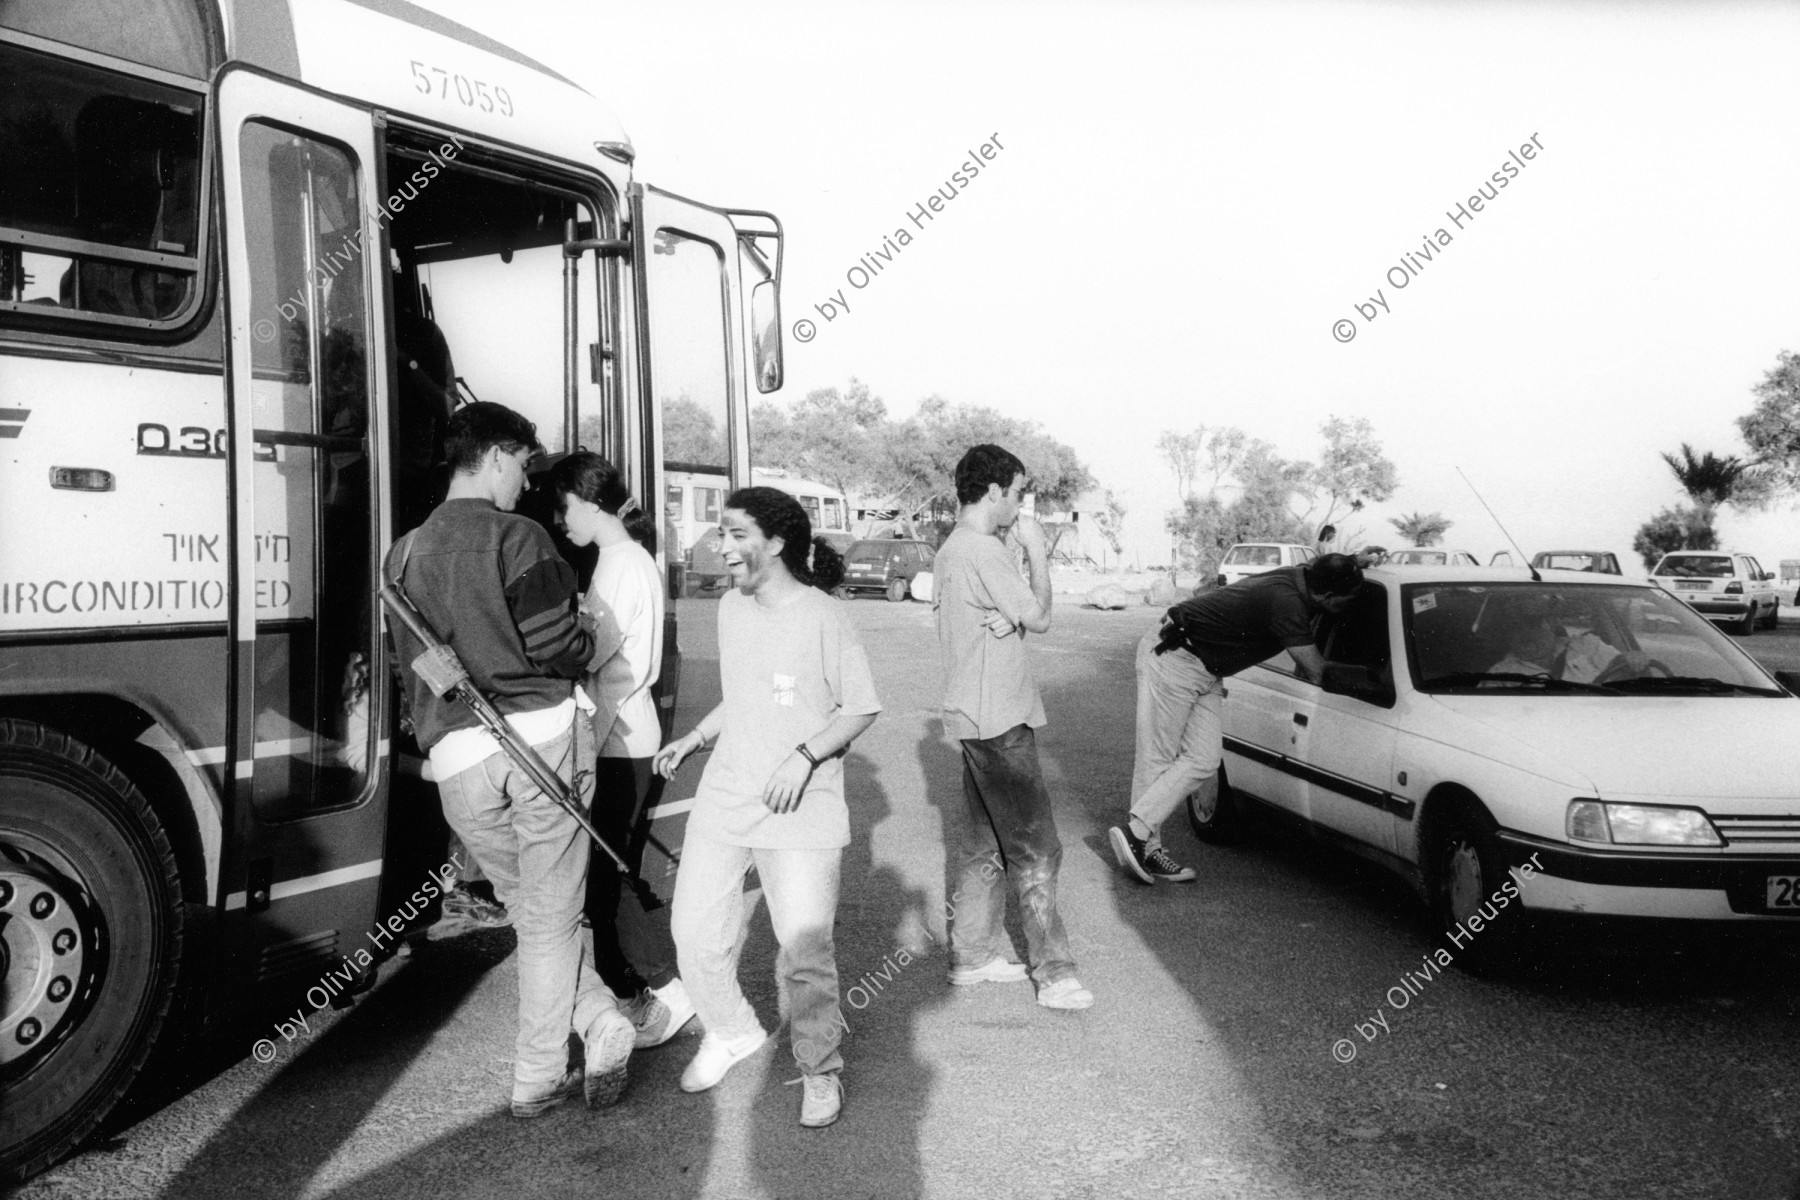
<point>797,691</point>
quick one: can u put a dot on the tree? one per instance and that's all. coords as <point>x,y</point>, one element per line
<point>1182,452</point>
<point>848,440</point>
<point>1351,472</point>
<point>1422,529</point>
<point>691,434</point>
<point>1710,480</point>
<point>1684,527</point>
<point>1772,428</point>
<point>1110,520</point>
<point>1205,526</point>
<point>829,436</point>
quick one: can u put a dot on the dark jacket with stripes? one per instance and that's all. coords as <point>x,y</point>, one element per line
<point>492,585</point>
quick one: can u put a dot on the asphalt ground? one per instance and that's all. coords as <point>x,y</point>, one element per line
<point>1612,1064</point>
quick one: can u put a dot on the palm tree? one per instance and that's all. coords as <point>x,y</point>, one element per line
<point>1422,529</point>
<point>1711,481</point>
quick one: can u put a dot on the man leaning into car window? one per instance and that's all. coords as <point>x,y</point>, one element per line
<point>1181,667</point>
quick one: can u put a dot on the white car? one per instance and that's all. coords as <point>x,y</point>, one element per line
<point>1648,767</point>
<point>1253,558</point>
<point>1430,556</point>
<point>1725,586</point>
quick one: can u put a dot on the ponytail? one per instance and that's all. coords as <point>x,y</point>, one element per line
<point>597,481</point>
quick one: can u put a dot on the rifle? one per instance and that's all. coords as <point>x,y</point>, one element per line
<point>443,672</point>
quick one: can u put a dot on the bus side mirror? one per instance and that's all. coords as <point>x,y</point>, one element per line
<point>765,319</point>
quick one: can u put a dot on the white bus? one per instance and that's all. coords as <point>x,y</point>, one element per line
<point>252,255</point>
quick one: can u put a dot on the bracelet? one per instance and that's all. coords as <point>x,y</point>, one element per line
<point>807,755</point>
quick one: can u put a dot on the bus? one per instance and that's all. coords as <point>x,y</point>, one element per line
<point>252,258</point>
<point>694,503</point>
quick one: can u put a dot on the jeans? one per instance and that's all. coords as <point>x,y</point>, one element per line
<point>1179,743</point>
<point>801,887</point>
<point>536,856</point>
<point>1008,808</point>
<point>632,948</point>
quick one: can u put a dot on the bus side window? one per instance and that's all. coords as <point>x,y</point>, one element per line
<point>99,194</point>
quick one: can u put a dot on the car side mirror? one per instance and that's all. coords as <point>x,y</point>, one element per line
<point>1356,681</point>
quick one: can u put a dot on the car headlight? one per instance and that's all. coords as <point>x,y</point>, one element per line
<point>1639,825</point>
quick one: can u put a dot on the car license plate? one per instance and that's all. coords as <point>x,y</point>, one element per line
<point>1784,892</point>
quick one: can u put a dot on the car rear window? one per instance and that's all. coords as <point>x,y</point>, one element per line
<point>866,554</point>
<point>1253,556</point>
<point>1422,558</point>
<point>1708,566</point>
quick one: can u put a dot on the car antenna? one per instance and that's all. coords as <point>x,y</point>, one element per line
<point>1529,565</point>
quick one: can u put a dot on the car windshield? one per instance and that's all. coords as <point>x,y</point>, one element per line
<point>1568,639</point>
<point>1708,566</point>
<point>1253,556</point>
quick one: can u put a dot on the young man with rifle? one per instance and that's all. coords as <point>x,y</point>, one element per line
<point>492,586</point>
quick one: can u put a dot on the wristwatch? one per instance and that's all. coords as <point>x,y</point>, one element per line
<point>807,755</point>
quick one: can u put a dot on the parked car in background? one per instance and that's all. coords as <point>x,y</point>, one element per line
<point>1527,751</point>
<point>1600,562</point>
<point>1430,556</point>
<point>1722,585</point>
<point>1503,558</point>
<point>874,565</point>
<point>1253,558</point>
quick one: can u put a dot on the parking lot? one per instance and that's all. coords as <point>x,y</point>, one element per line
<point>1612,1064</point>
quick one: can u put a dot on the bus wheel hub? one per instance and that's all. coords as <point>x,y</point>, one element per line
<point>42,954</point>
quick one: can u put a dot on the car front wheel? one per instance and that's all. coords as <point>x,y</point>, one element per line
<point>1470,882</point>
<point>1774,614</point>
<point>1213,810</point>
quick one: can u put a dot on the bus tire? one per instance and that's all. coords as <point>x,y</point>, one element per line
<point>91,895</point>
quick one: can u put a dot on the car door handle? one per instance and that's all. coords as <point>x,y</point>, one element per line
<point>1300,719</point>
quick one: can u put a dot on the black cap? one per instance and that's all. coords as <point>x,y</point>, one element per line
<point>1333,575</point>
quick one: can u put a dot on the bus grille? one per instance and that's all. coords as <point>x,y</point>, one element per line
<point>307,953</point>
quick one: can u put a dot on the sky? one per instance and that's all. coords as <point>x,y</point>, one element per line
<point>1188,198</point>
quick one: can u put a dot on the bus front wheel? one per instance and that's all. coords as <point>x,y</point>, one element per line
<point>90,939</point>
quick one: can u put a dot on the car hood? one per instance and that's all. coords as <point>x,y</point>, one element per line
<point>1643,746</point>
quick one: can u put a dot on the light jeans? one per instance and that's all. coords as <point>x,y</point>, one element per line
<point>536,856</point>
<point>1010,825</point>
<point>801,887</point>
<point>1179,740</point>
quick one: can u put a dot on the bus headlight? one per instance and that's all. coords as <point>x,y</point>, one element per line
<point>1639,825</point>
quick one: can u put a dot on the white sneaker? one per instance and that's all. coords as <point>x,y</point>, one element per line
<point>821,1099</point>
<point>718,1056</point>
<point>606,1046</point>
<point>669,1009</point>
<point>1066,992</point>
<point>995,970</point>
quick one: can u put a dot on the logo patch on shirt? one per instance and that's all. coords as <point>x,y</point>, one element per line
<point>784,690</point>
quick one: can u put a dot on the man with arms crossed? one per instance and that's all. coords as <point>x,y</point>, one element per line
<point>984,609</point>
<point>492,585</point>
<point>1181,665</point>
